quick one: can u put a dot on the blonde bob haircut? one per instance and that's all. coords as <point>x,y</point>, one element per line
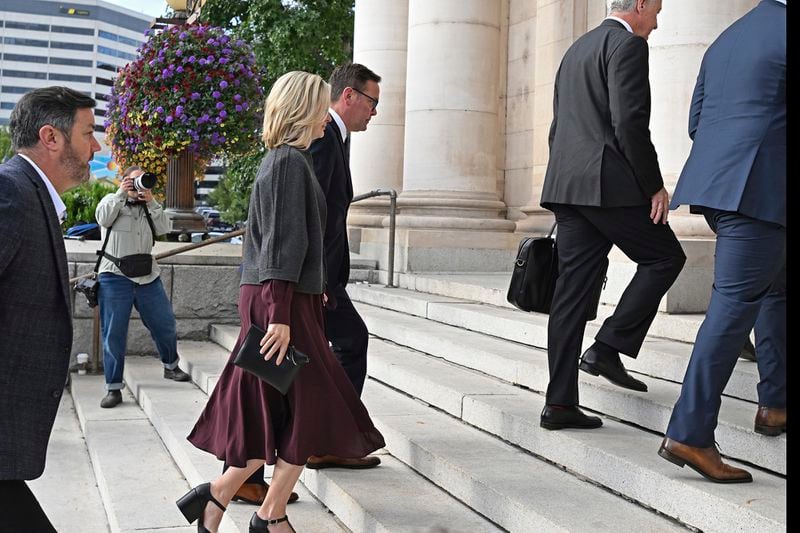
<point>295,106</point>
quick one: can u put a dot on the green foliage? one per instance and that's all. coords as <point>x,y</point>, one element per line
<point>5,144</point>
<point>309,35</point>
<point>232,196</point>
<point>82,201</point>
<point>286,35</point>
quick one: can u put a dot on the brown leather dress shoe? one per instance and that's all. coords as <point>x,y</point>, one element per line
<point>770,421</point>
<point>331,461</point>
<point>705,461</point>
<point>255,493</point>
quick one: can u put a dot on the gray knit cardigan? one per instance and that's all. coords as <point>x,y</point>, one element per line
<point>285,223</point>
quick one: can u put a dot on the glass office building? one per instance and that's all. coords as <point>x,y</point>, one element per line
<point>79,45</point>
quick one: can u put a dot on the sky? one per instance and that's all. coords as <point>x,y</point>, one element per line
<point>154,8</point>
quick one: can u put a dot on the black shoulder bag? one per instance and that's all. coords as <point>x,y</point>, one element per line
<point>533,280</point>
<point>134,265</point>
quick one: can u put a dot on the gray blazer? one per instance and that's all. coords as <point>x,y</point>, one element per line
<point>286,223</point>
<point>600,149</point>
<point>35,320</point>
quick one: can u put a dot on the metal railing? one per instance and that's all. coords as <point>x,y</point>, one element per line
<point>392,194</point>
<point>96,341</point>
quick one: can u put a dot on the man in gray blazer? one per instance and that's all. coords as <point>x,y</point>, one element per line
<point>52,131</point>
<point>736,177</point>
<point>604,185</point>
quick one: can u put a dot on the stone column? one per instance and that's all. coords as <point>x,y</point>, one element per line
<point>685,29</point>
<point>452,102</point>
<point>376,156</point>
<point>180,194</point>
<point>558,24</point>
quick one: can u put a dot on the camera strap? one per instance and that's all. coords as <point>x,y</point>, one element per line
<point>102,251</point>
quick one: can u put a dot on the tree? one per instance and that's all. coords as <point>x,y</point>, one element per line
<point>286,35</point>
<point>5,144</point>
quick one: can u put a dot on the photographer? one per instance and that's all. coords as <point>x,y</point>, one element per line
<point>134,218</point>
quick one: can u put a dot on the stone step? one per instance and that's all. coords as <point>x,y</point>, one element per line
<point>136,477</point>
<point>67,490</point>
<point>618,456</point>
<point>389,498</point>
<point>491,288</point>
<point>527,366</point>
<point>173,409</point>
<point>659,357</point>
<point>520,492</point>
<point>458,462</point>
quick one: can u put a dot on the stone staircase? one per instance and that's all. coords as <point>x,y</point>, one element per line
<point>455,387</point>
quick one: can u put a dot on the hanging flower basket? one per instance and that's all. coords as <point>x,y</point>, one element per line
<point>191,88</point>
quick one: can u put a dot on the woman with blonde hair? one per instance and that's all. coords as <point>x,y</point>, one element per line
<point>247,422</point>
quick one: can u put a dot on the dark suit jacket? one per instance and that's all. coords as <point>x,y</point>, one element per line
<point>600,148</point>
<point>332,168</point>
<point>738,120</point>
<point>35,320</point>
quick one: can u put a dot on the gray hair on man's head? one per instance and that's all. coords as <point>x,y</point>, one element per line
<point>621,6</point>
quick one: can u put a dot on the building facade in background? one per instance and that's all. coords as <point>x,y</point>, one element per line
<point>462,127</point>
<point>79,45</point>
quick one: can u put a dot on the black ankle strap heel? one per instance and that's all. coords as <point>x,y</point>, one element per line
<point>259,525</point>
<point>193,503</point>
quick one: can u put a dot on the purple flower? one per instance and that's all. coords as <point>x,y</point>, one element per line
<point>223,84</point>
<point>224,39</point>
<point>223,60</point>
<point>178,52</point>
<point>208,78</point>
<point>223,113</point>
<point>190,59</point>
<point>159,109</point>
<point>211,42</point>
<point>183,35</point>
<point>195,96</point>
<point>169,119</point>
<point>218,120</point>
<point>227,51</point>
<point>237,97</point>
<point>216,95</point>
<point>236,83</point>
<point>239,108</point>
<point>202,61</point>
<point>183,100</point>
<point>152,62</point>
<point>220,105</point>
<point>246,105</point>
<point>183,118</point>
<point>210,59</point>
<point>179,69</point>
<point>179,110</point>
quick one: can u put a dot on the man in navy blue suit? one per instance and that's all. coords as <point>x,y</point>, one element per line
<point>736,177</point>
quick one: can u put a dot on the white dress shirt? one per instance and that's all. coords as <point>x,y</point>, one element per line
<point>623,22</point>
<point>58,203</point>
<point>339,122</point>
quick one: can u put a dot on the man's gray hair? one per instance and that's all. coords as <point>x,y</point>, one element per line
<point>621,6</point>
<point>55,106</point>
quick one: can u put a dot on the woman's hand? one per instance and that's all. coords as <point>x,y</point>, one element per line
<point>276,341</point>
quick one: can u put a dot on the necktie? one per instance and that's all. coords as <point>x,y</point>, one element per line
<point>347,148</point>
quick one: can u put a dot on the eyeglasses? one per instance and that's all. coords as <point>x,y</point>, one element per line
<point>371,99</point>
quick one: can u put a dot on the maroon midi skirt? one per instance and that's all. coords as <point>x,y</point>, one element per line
<point>245,418</point>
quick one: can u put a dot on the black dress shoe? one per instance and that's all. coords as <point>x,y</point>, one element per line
<point>562,417</point>
<point>608,365</point>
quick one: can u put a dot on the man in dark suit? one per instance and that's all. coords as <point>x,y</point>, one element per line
<point>604,185</point>
<point>354,101</point>
<point>736,177</point>
<point>52,131</point>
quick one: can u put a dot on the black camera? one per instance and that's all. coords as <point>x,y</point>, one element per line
<point>145,181</point>
<point>89,288</point>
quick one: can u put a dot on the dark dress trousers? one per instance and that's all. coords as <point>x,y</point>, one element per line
<point>601,174</point>
<point>344,327</point>
<point>35,321</point>
<point>736,177</point>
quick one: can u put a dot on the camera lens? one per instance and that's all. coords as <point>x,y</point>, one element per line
<point>146,181</point>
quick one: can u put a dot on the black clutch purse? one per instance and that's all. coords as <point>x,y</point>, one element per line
<point>252,360</point>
